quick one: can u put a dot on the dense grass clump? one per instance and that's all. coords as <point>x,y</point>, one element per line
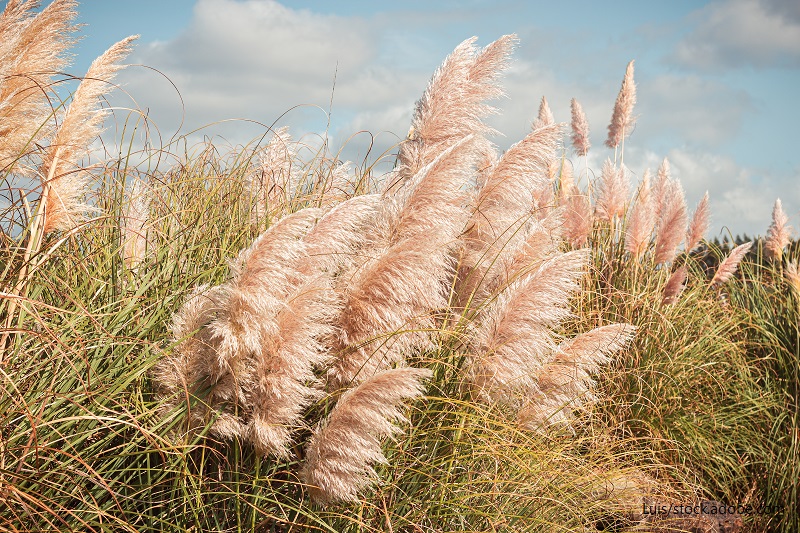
<point>266,339</point>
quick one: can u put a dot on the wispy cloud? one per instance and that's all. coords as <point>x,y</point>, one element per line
<point>737,33</point>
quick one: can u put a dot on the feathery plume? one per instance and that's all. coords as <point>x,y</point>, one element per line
<point>661,187</point>
<point>135,225</point>
<point>389,304</point>
<point>341,452</point>
<point>613,194</point>
<point>82,123</point>
<point>642,221</point>
<point>578,219</point>
<point>727,268</point>
<point>185,368</point>
<point>580,129</point>
<point>545,117</point>
<point>778,233</point>
<point>284,382</point>
<point>276,178</point>
<point>565,383</point>
<point>503,205</point>
<point>675,286</point>
<point>454,102</point>
<point>433,203</point>
<point>699,224</point>
<point>514,337</point>
<point>622,120</point>
<point>566,180</point>
<point>32,50</point>
<point>792,275</point>
<point>331,244</point>
<point>672,223</point>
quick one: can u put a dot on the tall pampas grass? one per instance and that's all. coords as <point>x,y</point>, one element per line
<point>727,268</point>
<point>63,183</point>
<point>455,102</point>
<point>545,116</point>
<point>580,129</point>
<point>135,222</point>
<point>514,338</point>
<point>565,382</point>
<point>578,218</point>
<point>276,177</point>
<point>699,224</point>
<point>672,221</point>
<point>32,51</point>
<point>642,221</point>
<point>612,196</point>
<point>342,452</point>
<point>778,233</point>
<point>675,286</point>
<point>503,205</point>
<point>623,120</point>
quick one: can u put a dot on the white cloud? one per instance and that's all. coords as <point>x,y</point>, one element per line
<point>735,33</point>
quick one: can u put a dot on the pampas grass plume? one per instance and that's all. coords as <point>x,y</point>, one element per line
<point>622,120</point>
<point>565,383</point>
<point>672,222</point>
<point>699,224</point>
<point>778,233</point>
<point>342,451</point>
<point>727,268</point>
<point>545,116</point>
<point>675,286</point>
<point>642,221</point>
<point>580,129</point>
<point>468,75</point>
<point>613,193</point>
<point>82,123</point>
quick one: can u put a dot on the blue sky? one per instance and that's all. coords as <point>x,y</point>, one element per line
<point>716,80</point>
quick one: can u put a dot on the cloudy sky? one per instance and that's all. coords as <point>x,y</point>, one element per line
<point>714,78</point>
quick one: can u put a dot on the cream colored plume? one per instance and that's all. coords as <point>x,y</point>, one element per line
<point>545,116</point>
<point>642,221</point>
<point>455,102</point>
<point>675,286</point>
<point>727,268</point>
<point>565,382</point>
<point>612,196</point>
<point>671,225</point>
<point>64,183</point>
<point>514,337</point>
<point>342,451</point>
<point>699,224</point>
<point>779,233</point>
<point>135,224</point>
<point>580,129</point>
<point>33,50</point>
<point>622,120</point>
<point>276,177</point>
